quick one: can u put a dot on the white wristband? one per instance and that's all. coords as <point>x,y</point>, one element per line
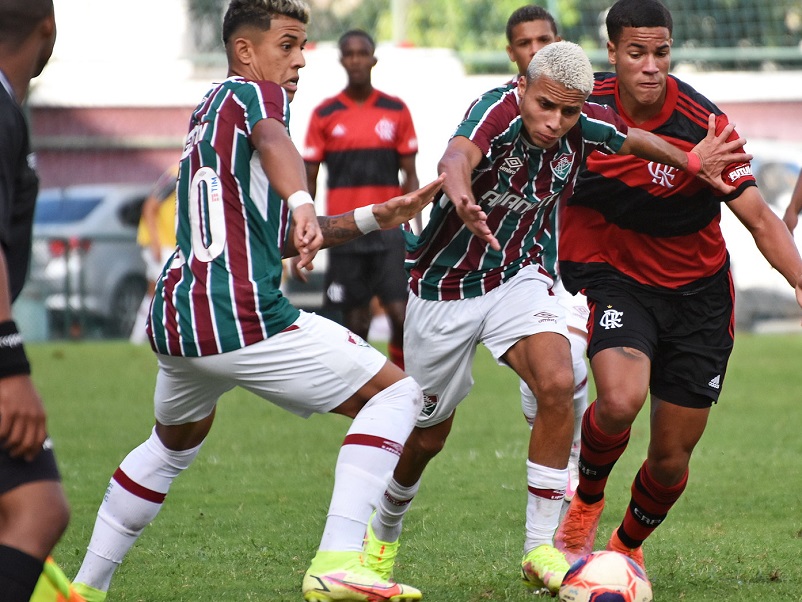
<point>298,198</point>
<point>365,220</point>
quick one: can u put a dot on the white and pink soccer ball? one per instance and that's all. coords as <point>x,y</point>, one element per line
<point>605,577</point>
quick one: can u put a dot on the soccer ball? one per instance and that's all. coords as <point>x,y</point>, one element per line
<point>605,577</point>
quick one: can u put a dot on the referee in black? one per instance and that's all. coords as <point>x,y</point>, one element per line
<point>33,509</point>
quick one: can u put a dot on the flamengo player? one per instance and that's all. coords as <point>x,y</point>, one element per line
<point>219,320</point>
<point>365,138</point>
<point>643,240</point>
<point>476,276</point>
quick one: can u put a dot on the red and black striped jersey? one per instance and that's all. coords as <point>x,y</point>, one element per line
<point>361,144</point>
<point>641,222</point>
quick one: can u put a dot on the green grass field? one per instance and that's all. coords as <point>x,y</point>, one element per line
<point>243,522</point>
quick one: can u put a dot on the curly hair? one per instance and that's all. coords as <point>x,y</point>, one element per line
<point>18,18</point>
<point>258,13</point>
<point>565,63</point>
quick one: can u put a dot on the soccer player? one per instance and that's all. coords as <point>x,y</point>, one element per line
<point>476,275</point>
<point>365,137</point>
<point>33,509</point>
<point>642,239</point>
<point>218,319</point>
<point>530,28</point>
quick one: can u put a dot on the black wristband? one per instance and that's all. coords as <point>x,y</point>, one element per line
<point>13,360</point>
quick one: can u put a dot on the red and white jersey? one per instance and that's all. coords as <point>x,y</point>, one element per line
<point>641,222</point>
<point>361,144</point>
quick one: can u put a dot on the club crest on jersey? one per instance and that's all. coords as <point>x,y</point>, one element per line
<point>611,318</point>
<point>662,175</point>
<point>561,165</point>
<point>429,403</point>
<point>385,129</point>
<point>357,340</point>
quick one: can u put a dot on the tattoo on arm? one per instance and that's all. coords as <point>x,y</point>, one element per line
<point>338,229</point>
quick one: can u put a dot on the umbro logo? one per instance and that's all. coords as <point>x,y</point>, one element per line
<point>716,382</point>
<point>511,165</point>
<point>544,316</point>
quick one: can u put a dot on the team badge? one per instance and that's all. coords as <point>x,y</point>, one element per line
<point>662,175</point>
<point>385,129</point>
<point>429,404</point>
<point>611,318</point>
<point>561,165</point>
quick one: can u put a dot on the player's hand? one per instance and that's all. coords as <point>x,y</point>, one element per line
<point>306,234</point>
<point>22,417</point>
<point>299,273</point>
<point>476,220</point>
<point>716,154</point>
<point>400,209</point>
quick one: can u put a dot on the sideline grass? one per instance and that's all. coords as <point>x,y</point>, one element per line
<point>246,518</point>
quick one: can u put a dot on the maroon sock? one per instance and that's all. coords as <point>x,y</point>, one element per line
<point>648,506</point>
<point>597,456</point>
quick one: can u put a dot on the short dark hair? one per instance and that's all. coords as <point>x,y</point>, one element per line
<point>637,13</point>
<point>355,33</point>
<point>528,13</point>
<point>258,13</point>
<point>18,18</point>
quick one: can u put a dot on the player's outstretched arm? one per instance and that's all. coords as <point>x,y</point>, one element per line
<point>339,229</point>
<point>461,157</point>
<point>771,236</point>
<point>791,216</point>
<point>706,160</point>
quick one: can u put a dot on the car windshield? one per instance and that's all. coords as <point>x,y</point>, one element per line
<point>64,210</point>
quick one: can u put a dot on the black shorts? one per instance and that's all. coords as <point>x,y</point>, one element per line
<point>688,338</point>
<point>353,279</point>
<point>15,471</point>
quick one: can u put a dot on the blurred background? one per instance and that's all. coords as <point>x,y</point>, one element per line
<point>110,112</point>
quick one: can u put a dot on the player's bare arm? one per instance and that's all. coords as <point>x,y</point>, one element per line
<point>22,413</point>
<point>715,153</point>
<point>287,175</point>
<point>461,157</point>
<point>791,216</point>
<point>339,229</point>
<point>771,235</point>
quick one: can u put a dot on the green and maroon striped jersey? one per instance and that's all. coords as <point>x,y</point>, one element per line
<point>518,185</point>
<point>221,290</point>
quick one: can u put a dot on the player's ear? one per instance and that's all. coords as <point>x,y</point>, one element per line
<point>611,52</point>
<point>242,50</point>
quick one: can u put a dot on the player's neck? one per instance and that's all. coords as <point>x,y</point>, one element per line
<point>358,93</point>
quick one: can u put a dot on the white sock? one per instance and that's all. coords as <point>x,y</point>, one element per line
<point>366,461</point>
<point>393,505</point>
<point>133,499</point>
<point>544,500</point>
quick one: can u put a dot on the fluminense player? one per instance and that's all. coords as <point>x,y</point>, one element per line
<point>642,239</point>
<point>476,275</point>
<point>530,28</point>
<point>219,321</point>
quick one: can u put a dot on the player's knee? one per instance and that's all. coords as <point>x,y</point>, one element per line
<point>555,392</point>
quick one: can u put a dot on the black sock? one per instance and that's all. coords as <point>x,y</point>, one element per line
<point>19,573</point>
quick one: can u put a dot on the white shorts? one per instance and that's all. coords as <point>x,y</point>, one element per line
<point>576,307</point>
<point>440,337</point>
<point>312,367</point>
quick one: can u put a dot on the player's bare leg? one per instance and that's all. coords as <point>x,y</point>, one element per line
<point>134,497</point>
<point>544,362</point>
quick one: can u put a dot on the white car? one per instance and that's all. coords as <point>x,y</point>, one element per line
<point>763,298</point>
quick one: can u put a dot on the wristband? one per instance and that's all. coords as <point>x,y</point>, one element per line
<point>298,198</point>
<point>13,360</point>
<point>694,163</point>
<point>365,220</point>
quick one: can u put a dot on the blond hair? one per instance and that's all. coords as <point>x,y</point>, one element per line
<point>565,63</point>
